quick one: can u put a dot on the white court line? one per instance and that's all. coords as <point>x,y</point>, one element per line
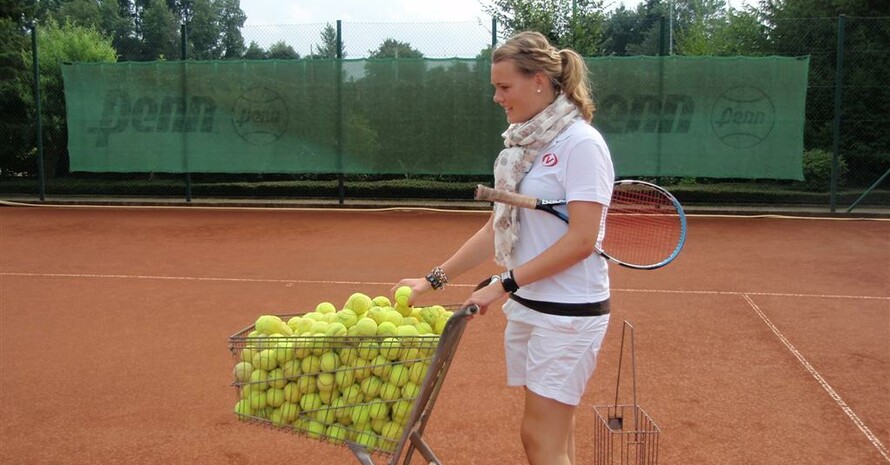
<point>827,387</point>
<point>373,283</point>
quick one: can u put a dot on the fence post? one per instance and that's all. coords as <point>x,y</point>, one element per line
<point>184,56</point>
<point>838,99</point>
<point>341,188</point>
<point>494,34</point>
<point>38,120</point>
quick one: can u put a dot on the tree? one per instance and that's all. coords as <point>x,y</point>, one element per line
<point>282,51</point>
<point>231,20</point>
<point>160,32</point>
<point>203,30</point>
<point>328,46</point>
<point>723,32</point>
<point>65,43</point>
<point>255,52</point>
<point>16,130</point>
<point>391,48</point>
<point>577,24</point>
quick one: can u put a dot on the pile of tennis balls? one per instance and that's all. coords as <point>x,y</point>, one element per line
<point>347,374</point>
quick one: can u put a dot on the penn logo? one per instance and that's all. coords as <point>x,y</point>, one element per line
<point>549,159</point>
<point>743,117</point>
<point>260,116</point>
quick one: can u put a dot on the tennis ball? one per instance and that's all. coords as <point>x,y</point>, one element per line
<point>370,387</point>
<point>399,375</point>
<point>303,325</point>
<point>344,378</point>
<point>329,361</point>
<point>311,364</point>
<point>328,396</point>
<point>242,371</point>
<point>417,372</point>
<point>366,327</point>
<point>424,328</point>
<point>378,410</point>
<point>368,350</point>
<point>325,415</point>
<point>410,390</point>
<point>367,439</point>
<point>257,400</point>
<point>401,408</point>
<point>429,314</point>
<point>361,303</point>
<point>362,369</point>
<point>407,330</point>
<point>276,378</point>
<point>259,379</point>
<point>292,393</point>
<point>381,301</point>
<point>335,329</point>
<point>291,369</point>
<point>243,408</point>
<point>285,350</point>
<point>319,327</point>
<point>315,429</point>
<point>289,411</point>
<point>361,414</point>
<point>347,318</point>
<point>325,382</point>
<point>390,392</point>
<point>386,329</point>
<point>380,366</point>
<point>402,294</point>
<point>392,430</point>
<point>325,308</point>
<point>390,347</point>
<point>269,324</point>
<point>274,397</point>
<point>307,384</point>
<point>376,314</point>
<point>310,402</point>
<point>409,321</point>
<point>247,355</point>
<point>348,355</point>
<point>409,356</point>
<point>393,317</point>
<point>267,359</point>
<point>336,434</point>
<point>404,310</point>
<point>439,325</point>
<point>351,394</point>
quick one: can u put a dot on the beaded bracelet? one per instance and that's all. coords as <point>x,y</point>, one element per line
<point>437,278</point>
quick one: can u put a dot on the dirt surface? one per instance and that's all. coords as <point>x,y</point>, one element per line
<point>766,342</point>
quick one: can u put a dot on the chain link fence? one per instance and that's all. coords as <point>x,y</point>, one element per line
<point>846,160</point>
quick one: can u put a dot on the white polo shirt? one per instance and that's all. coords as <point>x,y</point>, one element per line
<point>577,166</point>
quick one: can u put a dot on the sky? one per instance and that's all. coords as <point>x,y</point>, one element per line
<point>438,28</point>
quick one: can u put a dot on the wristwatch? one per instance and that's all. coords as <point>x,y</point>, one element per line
<point>508,282</point>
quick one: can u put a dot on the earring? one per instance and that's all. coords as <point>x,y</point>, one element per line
<point>539,90</point>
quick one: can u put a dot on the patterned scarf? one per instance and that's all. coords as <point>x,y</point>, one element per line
<point>523,142</point>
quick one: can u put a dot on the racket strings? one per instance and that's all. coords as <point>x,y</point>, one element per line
<point>643,227</point>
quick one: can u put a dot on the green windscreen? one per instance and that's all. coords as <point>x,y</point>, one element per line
<point>706,117</point>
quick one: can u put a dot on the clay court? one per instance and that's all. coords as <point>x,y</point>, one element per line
<point>766,342</point>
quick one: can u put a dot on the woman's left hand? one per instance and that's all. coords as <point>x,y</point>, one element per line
<point>485,296</point>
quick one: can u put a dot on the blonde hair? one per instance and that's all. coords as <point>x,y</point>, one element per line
<point>532,54</point>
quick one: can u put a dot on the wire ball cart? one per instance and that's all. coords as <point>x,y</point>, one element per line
<point>372,394</point>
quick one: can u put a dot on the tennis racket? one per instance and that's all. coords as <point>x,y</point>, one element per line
<point>645,227</point>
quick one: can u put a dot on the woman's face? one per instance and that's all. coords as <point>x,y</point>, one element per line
<point>518,93</point>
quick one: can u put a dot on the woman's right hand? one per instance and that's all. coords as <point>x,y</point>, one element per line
<point>418,286</point>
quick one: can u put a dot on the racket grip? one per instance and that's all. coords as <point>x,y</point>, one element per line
<point>510,198</point>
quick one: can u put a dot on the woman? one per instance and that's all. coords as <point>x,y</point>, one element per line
<point>558,307</point>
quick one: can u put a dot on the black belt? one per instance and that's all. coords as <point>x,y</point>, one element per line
<point>565,309</point>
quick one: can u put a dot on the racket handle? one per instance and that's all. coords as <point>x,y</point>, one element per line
<point>510,198</point>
